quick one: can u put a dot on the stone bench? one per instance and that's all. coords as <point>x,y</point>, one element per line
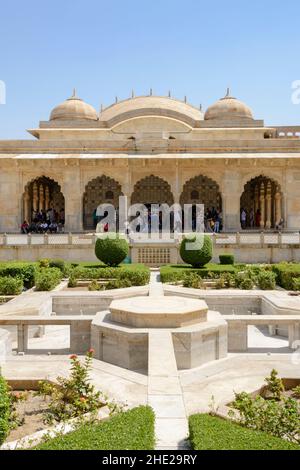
<point>238,328</point>
<point>80,329</point>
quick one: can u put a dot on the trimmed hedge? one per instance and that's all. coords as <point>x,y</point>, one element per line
<point>47,279</point>
<point>226,258</point>
<point>285,273</point>
<point>10,285</point>
<point>57,263</point>
<point>24,271</point>
<point>178,272</point>
<point>5,407</point>
<point>213,433</point>
<point>111,249</point>
<point>200,254</point>
<point>137,274</point>
<point>130,430</point>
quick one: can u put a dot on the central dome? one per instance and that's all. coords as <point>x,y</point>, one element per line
<point>151,106</point>
<point>228,108</point>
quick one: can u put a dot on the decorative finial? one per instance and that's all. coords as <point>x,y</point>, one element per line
<point>116,99</point>
<point>101,108</point>
<point>185,99</point>
<point>228,92</point>
<point>132,93</point>
<point>169,94</point>
<point>151,91</point>
<point>200,107</point>
<point>74,93</point>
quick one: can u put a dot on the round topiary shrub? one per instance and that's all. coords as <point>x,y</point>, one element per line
<point>111,249</point>
<point>226,259</point>
<point>196,250</point>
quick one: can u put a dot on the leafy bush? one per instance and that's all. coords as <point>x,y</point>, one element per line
<point>72,396</point>
<point>44,263</point>
<point>296,283</point>
<point>276,415</point>
<point>266,280</point>
<point>177,272</point>
<point>24,271</point>
<point>213,433</point>
<point>5,406</point>
<point>10,286</point>
<point>118,284</point>
<point>94,285</point>
<point>73,281</point>
<point>226,259</point>
<point>193,280</point>
<point>200,252</point>
<point>111,249</point>
<point>57,263</point>
<point>296,392</point>
<point>129,430</point>
<point>47,279</point>
<point>246,284</point>
<point>225,281</point>
<point>286,273</point>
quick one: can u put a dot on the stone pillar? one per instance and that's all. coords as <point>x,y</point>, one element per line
<point>35,197</point>
<point>256,198</point>
<point>41,197</point>
<point>262,205</point>
<point>47,197</point>
<point>269,205</point>
<point>277,206</point>
<point>26,203</point>
<point>11,200</point>
<point>73,194</point>
<point>22,337</point>
<point>231,202</point>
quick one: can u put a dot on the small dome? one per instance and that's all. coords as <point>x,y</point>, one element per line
<point>228,108</point>
<point>73,109</point>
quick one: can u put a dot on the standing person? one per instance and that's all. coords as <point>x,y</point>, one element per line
<point>243,219</point>
<point>217,223</point>
<point>177,221</point>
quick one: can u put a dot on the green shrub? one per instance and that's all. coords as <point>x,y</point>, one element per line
<point>57,263</point>
<point>213,433</point>
<point>118,284</point>
<point>44,263</point>
<point>130,430</point>
<point>24,271</point>
<point>72,281</point>
<point>193,280</point>
<point>296,283</point>
<point>177,272</point>
<point>266,280</point>
<point>225,281</point>
<point>137,274</point>
<point>94,285</point>
<point>246,283</point>
<point>111,249</point>
<point>226,259</point>
<point>5,407</point>
<point>47,279</point>
<point>200,252</point>
<point>286,273</point>
<point>10,285</point>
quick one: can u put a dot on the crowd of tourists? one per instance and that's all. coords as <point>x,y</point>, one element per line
<point>45,221</point>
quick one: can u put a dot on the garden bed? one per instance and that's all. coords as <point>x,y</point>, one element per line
<point>214,433</point>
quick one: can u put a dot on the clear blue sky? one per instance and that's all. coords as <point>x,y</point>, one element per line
<point>105,48</point>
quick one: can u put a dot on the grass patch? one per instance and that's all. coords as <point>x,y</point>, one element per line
<point>130,430</point>
<point>213,433</point>
<point>177,272</point>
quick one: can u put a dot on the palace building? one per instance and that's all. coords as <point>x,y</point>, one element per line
<point>153,149</point>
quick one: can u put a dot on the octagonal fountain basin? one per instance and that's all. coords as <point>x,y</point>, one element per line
<point>158,312</point>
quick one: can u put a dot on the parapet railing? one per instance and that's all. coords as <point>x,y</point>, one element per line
<point>81,239</point>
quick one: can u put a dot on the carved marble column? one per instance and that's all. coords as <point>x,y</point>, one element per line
<point>262,205</point>
<point>35,197</point>
<point>47,197</point>
<point>268,205</point>
<point>256,198</point>
<point>26,205</point>
<point>41,198</point>
<point>277,206</point>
